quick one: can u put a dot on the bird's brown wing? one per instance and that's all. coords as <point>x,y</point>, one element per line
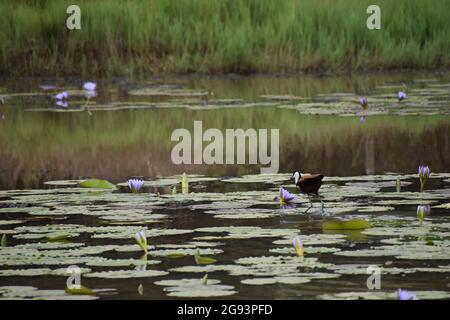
<point>310,183</point>
<point>312,177</point>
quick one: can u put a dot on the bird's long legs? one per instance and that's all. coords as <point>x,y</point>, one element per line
<point>320,198</point>
<point>322,208</point>
<point>310,204</point>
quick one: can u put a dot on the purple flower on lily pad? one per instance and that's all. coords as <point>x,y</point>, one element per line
<point>405,295</point>
<point>89,86</point>
<point>362,119</point>
<point>285,196</point>
<point>62,103</point>
<point>363,102</point>
<point>61,99</point>
<point>89,89</point>
<point>135,185</point>
<point>401,96</point>
<point>62,96</point>
<point>424,174</point>
<point>422,212</point>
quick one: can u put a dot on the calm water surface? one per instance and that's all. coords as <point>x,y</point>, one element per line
<point>41,142</point>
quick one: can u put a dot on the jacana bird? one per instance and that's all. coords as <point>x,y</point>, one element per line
<point>308,184</point>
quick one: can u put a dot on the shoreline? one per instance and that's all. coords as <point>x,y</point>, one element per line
<point>237,76</point>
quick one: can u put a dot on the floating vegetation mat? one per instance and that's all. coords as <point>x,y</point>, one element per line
<point>236,244</point>
<point>422,98</point>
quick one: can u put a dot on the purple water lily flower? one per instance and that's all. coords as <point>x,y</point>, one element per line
<point>422,211</point>
<point>363,102</point>
<point>425,208</point>
<point>135,185</point>
<point>89,86</point>
<point>62,96</point>
<point>62,103</point>
<point>362,119</point>
<point>401,96</point>
<point>285,196</point>
<point>424,174</point>
<point>405,295</point>
<point>89,89</point>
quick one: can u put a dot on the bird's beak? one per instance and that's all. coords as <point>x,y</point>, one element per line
<point>294,179</point>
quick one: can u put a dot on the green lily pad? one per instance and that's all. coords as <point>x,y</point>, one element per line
<point>203,260</point>
<point>80,290</point>
<point>28,292</point>
<point>97,184</point>
<point>355,224</point>
<point>58,237</point>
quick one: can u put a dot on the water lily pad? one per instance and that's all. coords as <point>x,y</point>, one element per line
<point>383,295</point>
<point>126,274</point>
<point>105,262</point>
<point>166,90</point>
<point>298,278</point>
<point>28,292</point>
<point>203,260</point>
<point>97,184</point>
<point>244,232</point>
<point>315,239</point>
<point>355,224</point>
<point>308,250</point>
<point>64,183</point>
<point>443,206</point>
<point>8,222</point>
<point>80,290</point>
<point>195,288</point>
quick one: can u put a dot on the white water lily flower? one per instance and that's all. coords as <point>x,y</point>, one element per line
<point>141,240</point>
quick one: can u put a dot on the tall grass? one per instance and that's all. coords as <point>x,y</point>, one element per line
<point>179,36</point>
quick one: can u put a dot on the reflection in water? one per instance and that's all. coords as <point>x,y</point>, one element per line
<point>370,157</point>
<point>39,146</point>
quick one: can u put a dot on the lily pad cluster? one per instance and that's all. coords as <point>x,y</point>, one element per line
<point>205,243</point>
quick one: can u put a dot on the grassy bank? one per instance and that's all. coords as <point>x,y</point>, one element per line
<point>179,36</point>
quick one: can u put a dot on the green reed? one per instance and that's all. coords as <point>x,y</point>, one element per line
<point>212,36</point>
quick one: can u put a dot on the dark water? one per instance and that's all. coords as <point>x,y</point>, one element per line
<point>40,142</point>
